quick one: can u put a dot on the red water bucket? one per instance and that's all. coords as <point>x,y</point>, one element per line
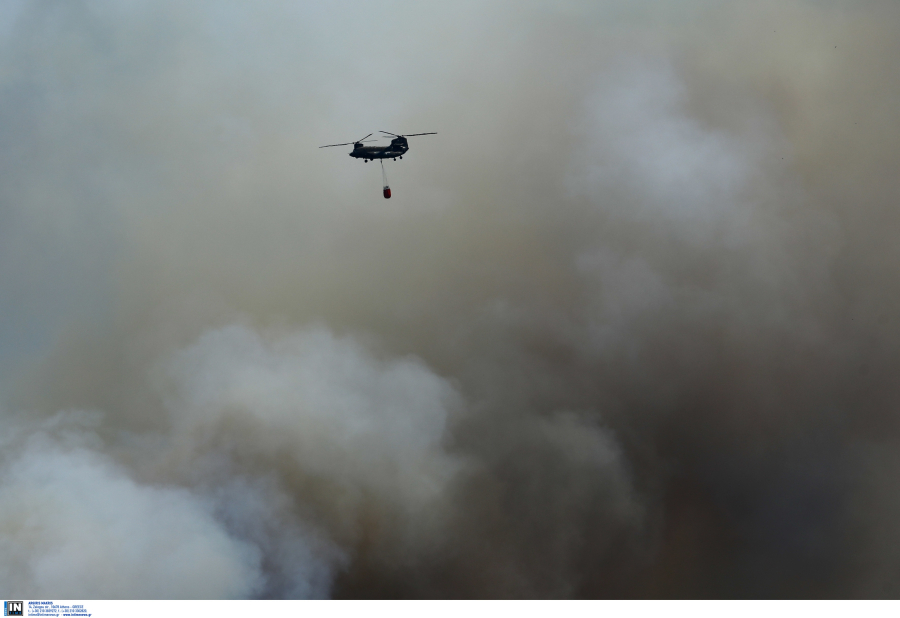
<point>387,193</point>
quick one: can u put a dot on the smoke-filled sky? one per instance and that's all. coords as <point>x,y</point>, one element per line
<point>629,326</point>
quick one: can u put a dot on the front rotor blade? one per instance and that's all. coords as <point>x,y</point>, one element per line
<point>359,141</point>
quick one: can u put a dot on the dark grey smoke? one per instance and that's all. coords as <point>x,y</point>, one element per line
<point>627,328</point>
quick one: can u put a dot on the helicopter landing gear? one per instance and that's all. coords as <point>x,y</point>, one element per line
<point>401,156</point>
<point>395,159</point>
<point>365,160</point>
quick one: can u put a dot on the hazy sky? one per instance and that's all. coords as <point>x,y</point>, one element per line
<point>628,326</point>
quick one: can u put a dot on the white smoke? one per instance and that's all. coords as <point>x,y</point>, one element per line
<point>73,524</point>
<point>320,410</point>
<point>618,333</point>
<point>276,448</point>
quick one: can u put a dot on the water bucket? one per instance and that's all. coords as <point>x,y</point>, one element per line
<point>387,192</point>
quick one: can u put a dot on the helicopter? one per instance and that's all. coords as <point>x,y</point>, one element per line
<point>396,149</point>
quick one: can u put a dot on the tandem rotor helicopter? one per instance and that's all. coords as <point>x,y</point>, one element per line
<point>396,149</point>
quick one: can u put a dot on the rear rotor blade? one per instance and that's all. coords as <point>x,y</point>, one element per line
<point>414,134</point>
<point>394,134</point>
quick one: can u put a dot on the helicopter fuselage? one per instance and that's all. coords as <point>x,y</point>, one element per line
<point>397,148</point>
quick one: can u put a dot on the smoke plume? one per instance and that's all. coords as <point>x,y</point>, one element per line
<point>627,327</point>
